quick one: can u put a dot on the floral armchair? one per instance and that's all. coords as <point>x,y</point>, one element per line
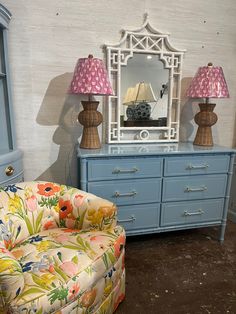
<point>60,251</point>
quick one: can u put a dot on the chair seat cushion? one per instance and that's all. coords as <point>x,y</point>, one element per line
<point>62,265</point>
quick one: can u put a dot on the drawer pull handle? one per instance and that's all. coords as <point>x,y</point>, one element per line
<point>9,171</point>
<point>131,219</point>
<point>118,194</point>
<point>200,189</point>
<point>199,212</point>
<point>117,170</point>
<point>203,166</point>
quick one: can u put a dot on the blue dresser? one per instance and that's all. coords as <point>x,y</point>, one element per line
<point>161,187</point>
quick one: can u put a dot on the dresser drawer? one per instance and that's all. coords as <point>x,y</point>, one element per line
<point>201,164</point>
<point>194,187</point>
<point>139,216</point>
<point>122,168</point>
<point>14,180</point>
<point>11,169</point>
<point>125,192</point>
<point>191,212</point>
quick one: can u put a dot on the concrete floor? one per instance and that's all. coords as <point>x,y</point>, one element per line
<point>184,272</point>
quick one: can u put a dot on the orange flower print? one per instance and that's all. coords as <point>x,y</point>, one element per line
<point>118,301</point>
<point>88,298</point>
<point>51,269</point>
<point>70,230</point>
<point>6,252</point>
<point>48,189</point>
<point>119,244</point>
<point>18,253</point>
<point>74,290</point>
<point>3,250</point>
<point>65,208</point>
<point>78,200</point>
<point>8,244</point>
<point>50,224</point>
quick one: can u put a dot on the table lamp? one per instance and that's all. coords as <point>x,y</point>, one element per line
<point>209,82</point>
<point>137,99</point>
<point>90,78</point>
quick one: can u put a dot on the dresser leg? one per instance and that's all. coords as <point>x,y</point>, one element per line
<point>227,196</point>
<point>222,232</point>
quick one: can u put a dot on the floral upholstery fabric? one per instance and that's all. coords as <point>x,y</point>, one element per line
<point>60,251</point>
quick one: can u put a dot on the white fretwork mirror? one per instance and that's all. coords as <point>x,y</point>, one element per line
<point>145,71</point>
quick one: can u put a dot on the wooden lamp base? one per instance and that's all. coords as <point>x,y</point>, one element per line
<point>90,118</point>
<point>205,119</point>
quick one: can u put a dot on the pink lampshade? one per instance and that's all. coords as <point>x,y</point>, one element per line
<point>90,77</point>
<point>209,82</point>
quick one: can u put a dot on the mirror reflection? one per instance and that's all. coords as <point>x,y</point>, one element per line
<point>144,91</point>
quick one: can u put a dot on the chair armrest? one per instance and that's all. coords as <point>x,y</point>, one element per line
<point>86,211</point>
<point>11,277</point>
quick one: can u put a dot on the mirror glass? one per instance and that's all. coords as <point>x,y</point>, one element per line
<point>144,81</point>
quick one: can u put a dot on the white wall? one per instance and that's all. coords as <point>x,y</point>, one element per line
<point>47,37</point>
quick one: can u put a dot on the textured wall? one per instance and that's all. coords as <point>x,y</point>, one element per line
<point>47,37</point>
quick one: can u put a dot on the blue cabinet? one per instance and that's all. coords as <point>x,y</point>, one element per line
<point>161,188</point>
<point>11,168</point>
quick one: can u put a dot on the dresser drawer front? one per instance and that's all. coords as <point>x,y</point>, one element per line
<point>194,187</point>
<point>127,192</point>
<point>11,172</point>
<point>122,168</point>
<point>15,180</point>
<point>139,216</point>
<point>191,212</point>
<point>190,165</point>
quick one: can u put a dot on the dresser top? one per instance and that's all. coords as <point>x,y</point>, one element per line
<point>151,149</point>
